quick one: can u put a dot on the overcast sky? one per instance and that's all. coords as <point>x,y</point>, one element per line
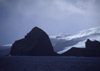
<point>18,17</point>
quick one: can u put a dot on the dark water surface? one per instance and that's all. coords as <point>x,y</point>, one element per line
<point>49,63</point>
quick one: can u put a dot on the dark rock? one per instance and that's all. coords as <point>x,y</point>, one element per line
<point>92,44</point>
<point>35,43</point>
<point>86,52</point>
<point>92,50</point>
<point>74,52</point>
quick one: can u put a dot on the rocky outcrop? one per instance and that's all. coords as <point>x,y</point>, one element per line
<point>92,50</point>
<point>35,43</point>
<point>92,44</point>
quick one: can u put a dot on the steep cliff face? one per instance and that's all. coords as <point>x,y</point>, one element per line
<point>35,43</point>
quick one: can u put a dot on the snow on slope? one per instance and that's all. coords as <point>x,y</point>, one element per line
<point>89,32</point>
<point>63,43</point>
<point>9,45</point>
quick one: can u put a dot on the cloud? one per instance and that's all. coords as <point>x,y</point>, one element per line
<point>68,7</point>
<point>53,16</point>
<point>55,9</point>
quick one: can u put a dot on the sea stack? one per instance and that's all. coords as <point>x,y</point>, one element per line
<point>35,43</point>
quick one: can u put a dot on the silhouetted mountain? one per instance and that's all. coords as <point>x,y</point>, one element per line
<point>35,43</point>
<point>92,50</point>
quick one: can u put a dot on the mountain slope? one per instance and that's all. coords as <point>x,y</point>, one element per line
<point>62,43</point>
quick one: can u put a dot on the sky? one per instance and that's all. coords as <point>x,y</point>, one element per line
<point>18,17</point>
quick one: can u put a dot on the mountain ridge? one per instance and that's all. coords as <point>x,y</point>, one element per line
<point>77,40</point>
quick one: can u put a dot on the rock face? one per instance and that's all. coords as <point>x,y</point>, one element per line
<point>92,44</point>
<point>92,50</point>
<point>35,43</point>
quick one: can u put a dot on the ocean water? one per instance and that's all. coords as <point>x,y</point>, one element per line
<point>49,63</point>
